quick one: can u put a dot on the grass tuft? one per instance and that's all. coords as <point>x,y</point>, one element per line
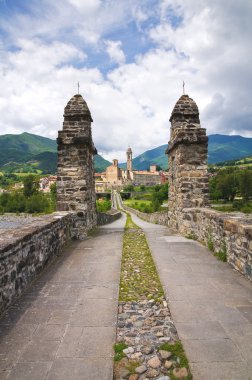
<point>118,348</point>
<point>177,351</point>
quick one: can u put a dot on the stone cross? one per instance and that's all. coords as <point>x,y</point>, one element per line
<point>183,88</point>
<point>78,85</point>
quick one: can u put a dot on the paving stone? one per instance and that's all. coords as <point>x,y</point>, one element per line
<point>81,369</point>
<point>98,292</point>
<point>40,351</point>
<point>60,317</point>
<point>212,350</point>
<point>96,342</point>
<point>28,371</point>
<point>98,312</point>
<point>70,343</point>
<point>246,311</point>
<point>50,332</point>
<point>202,330</point>
<point>228,371</point>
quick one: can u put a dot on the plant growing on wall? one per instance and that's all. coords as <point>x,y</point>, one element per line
<point>222,253</point>
<point>210,244</point>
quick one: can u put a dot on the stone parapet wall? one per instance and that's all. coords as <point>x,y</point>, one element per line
<point>155,217</point>
<point>24,252</point>
<point>221,232</point>
<point>107,217</point>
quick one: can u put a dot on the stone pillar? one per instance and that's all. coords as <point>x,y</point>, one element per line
<point>187,150</point>
<point>75,180</point>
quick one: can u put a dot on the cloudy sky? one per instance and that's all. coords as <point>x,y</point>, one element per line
<point>130,57</point>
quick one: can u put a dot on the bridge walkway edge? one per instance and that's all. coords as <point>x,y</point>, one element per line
<point>64,325</point>
<point>210,303</point>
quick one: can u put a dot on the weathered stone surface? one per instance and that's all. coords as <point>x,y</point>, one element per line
<point>188,178</point>
<point>26,251</point>
<point>38,337</point>
<point>168,364</point>
<point>230,233</point>
<point>104,218</point>
<point>151,373</point>
<point>142,338</point>
<point>134,377</point>
<point>165,354</point>
<point>75,175</point>
<point>188,192</point>
<point>141,369</point>
<point>154,362</point>
<point>180,373</point>
<point>155,217</point>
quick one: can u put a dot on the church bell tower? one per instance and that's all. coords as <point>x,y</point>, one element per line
<point>129,159</point>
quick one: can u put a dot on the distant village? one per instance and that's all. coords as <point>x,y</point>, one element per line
<point>116,178</point>
<point>113,178</point>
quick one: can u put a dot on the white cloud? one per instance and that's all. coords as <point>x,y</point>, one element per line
<point>115,52</point>
<point>87,6</point>
<point>205,43</point>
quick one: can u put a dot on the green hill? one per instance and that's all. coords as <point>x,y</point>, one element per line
<point>221,148</point>
<point>31,153</point>
<point>35,154</point>
<point>27,143</point>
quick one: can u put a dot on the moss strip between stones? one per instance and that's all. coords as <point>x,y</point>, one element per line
<point>141,293</point>
<point>139,277</point>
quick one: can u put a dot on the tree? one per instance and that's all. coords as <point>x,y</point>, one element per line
<point>128,188</point>
<point>31,185</point>
<point>159,195</point>
<point>227,185</point>
<point>215,193</point>
<point>245,184</point>
<point>37,203</point>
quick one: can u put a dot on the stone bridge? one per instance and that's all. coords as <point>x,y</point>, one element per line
<point>59,279</point>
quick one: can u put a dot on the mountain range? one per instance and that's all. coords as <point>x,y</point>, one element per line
<point>220,148</point>
<point>32,153</point>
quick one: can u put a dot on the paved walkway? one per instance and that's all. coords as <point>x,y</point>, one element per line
<point>64,326</point>
<point>211,305</point>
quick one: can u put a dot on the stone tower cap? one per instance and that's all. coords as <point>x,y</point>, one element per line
<point>77,106</point>
<point>185,107</point>
<point>129,150</point>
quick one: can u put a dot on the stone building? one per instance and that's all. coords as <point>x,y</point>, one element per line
<point>145,177</point>
<point>117,178</point>
<point>75,174</point>
<point>114,175</point>
<point>188,178</point>
<point>45,183</point>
